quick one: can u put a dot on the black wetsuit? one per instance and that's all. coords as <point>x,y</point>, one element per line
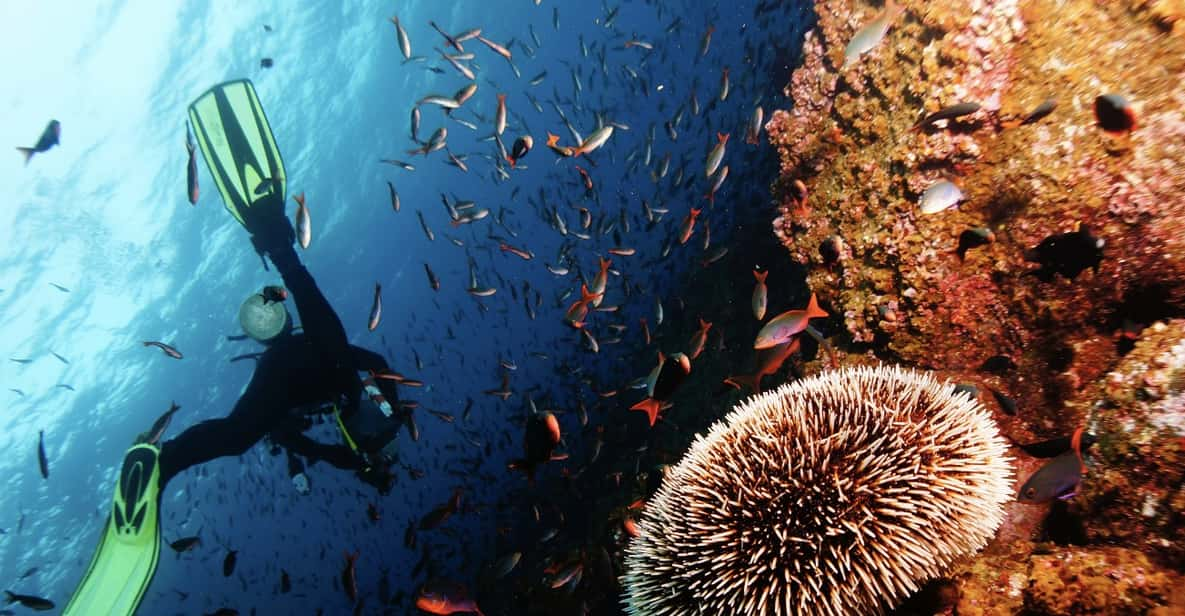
<point>296,371</point>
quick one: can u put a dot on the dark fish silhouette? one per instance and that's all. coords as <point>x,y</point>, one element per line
<point>185,544</point>
<point>168,349</point>
<point>1066,254</point>
<point>49,138</point>
<point>228,563</point>
<point>34,603</point>
<point>161,424</point>
<point>42,461</point>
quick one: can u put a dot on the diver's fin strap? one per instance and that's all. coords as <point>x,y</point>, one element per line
<point>337,415</point>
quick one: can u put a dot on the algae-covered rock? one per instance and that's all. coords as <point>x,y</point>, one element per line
<point>1086,254</point>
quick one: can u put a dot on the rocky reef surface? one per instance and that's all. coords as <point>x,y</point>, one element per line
<point>1058,280</point>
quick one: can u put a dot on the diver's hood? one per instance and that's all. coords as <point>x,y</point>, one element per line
<point>264,321</point>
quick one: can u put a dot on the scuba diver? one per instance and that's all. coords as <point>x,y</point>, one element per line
<point>317,371</point>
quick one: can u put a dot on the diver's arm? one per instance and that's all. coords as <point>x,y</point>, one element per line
<point>321,324</point>
<point>367,360</point>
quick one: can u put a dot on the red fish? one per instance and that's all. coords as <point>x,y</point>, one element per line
<point>169,350</point>
<point>553,142</point>
<point>784,326</point>
<point>376,308</point>
<point>579,309</point>
<point>350,577</point>
<point>688,226</point>
<point>521,147</point>
<point>600,280</point>
<point>585,177</point>
<point>760,294</point>
<point>769,360</point>
<point>699,339</point>
<point>441,598</point>
<point>526,255</point>
<point>662,383</point>
<point>273,293</point>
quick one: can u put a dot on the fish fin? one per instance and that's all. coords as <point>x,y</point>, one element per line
<point>705,324</point>
<point>711,197</point>
<point>28,153</point>
<point>813,310</point>
<point>722,137</point>
<point>650,406</point>
<point>760,276</point>
<point>551,139</point>
<point>511,161</point>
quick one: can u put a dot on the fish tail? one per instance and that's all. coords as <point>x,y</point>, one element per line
<point>650,406</point>
<point>813,310</point>
<point>722,137</point>
<point>760,276</point>
<point>752,381</point>
<point>711,197</point>
<point>28,153</point>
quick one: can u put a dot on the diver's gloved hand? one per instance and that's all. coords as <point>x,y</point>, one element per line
<point>270,229</point>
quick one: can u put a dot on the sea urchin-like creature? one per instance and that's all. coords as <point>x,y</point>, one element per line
<point>837,494</point>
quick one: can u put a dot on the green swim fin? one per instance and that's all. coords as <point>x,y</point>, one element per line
<point>129,548</point>
<point>237,144</point>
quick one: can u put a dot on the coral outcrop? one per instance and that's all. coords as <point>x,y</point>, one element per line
<point>1006,289</point>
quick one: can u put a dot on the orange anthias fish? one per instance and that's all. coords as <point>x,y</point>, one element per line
<point>699,339</point>
<point>769,361</point>
<point>350,577</point>
<point>600,280</point>
<point>662,383</point>
<point>585,177</point>
<point>784,326</point>
<point>579,309</point>
<point>442,597</point>
<point>760,294</point>
<point>688,227</point>
<point>553,142</point>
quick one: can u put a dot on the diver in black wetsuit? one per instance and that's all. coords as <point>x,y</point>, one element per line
<point>317,369</point>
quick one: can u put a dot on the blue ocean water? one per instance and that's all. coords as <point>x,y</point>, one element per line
<point>105,216</point>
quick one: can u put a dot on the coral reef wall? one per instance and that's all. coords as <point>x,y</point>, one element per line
<point>1006,289</point>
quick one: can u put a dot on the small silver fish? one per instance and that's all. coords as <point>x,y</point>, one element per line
<point>939,196</point>
<point>871,34</point>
